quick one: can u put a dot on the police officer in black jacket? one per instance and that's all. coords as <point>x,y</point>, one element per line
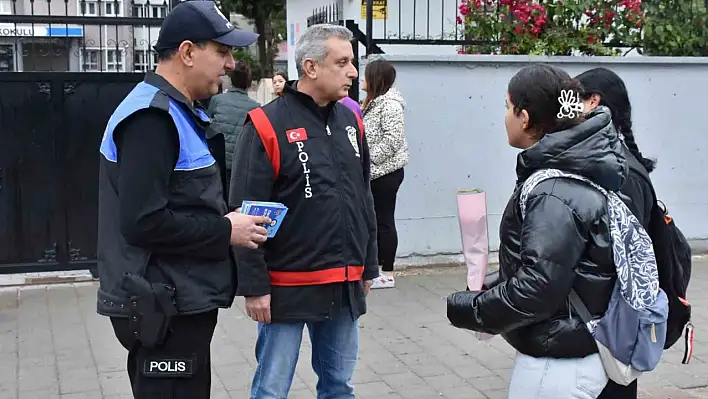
<point>164,235</point>
<point>308,152</point>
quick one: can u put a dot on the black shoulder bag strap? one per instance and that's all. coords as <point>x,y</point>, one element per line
<point>579,306</point>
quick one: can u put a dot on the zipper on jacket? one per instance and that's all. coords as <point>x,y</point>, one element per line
<point>341,196</point>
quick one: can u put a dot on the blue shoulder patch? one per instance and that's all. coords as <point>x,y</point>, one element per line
<point>141,97</point>
<point>193,149</point>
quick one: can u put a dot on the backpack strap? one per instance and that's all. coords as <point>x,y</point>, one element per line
<point>579,306</point>
<point>267,134</point>
<point>536,178</point>
<point>545,174</point>
<point>644,175</point>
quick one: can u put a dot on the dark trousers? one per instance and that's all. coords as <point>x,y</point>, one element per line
<point>178,369</point>
<point>385,190</point>
<point>614,390</point>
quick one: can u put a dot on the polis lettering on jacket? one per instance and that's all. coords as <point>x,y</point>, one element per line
<point>303,157</point>
<point>299,136</point>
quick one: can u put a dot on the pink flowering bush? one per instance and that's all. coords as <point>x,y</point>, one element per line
<point>552,28</point>
<point>591,27</point>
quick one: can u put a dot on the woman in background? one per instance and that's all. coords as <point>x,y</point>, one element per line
<point>604,88</point>
<point>388,148</point>
<point>279,80</point>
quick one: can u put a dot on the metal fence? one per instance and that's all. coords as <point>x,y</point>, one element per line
<point>331,13</point>
<point>80,35</point>
<point>415,22</point>
<point>435,22</point>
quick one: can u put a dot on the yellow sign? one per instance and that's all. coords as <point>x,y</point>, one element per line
<point>380,9</point>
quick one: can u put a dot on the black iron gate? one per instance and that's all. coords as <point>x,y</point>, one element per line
<point>51,125</point>
<point>64,67</point>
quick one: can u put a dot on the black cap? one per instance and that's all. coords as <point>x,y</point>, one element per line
<point>198,21</point>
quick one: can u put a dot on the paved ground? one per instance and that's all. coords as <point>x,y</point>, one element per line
<point>53,345</point>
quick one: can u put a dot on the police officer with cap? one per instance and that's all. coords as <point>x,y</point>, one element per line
<point>165,234</point>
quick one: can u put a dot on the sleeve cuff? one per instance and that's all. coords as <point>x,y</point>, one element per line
<point>252,290</point>
<point>224,226</point>
<point>370,274</point>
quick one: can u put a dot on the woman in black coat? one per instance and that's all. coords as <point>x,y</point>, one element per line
<point>562,243</point>
<point>604,88</point>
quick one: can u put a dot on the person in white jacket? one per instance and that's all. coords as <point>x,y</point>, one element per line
<point>384,128</point>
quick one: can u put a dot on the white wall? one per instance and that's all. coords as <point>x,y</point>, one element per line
<point>455,128</point>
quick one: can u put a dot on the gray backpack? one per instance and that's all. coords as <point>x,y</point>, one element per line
<point>630,335</point>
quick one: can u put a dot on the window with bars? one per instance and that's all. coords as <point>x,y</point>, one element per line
<point>149,11</point>
<point>94,8</point>
<point>144,60</point>
<point>114,60</point>
<point>90,60</point>
<point>93,60</point>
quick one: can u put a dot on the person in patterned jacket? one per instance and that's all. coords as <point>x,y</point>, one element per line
<point>384,127</point>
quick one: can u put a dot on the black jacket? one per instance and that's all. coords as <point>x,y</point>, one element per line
<point>566,244</point>
<point>160,217</point>
<point>636,192</point>
<point>315,161</point>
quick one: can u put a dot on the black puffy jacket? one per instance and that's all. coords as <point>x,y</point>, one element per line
<point>562,243</point>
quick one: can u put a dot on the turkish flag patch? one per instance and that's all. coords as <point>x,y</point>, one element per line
<point>299,134</point>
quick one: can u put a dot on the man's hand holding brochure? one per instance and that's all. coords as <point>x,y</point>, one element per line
<point>273,210</point>
<point>247,231</point>
<point>254,222</point>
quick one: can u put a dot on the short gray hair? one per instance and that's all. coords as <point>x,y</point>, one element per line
<point>312,43</point>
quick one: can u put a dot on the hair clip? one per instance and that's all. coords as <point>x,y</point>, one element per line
<point>571,106</point>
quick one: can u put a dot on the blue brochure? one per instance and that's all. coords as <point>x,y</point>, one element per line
<point>275,211</point>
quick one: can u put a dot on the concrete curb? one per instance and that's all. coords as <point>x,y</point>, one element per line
<point>404,267</point>
<point>47,278</point>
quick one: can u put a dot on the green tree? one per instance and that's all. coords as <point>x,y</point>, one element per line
<point>676,28</point>
<point>268,16</point>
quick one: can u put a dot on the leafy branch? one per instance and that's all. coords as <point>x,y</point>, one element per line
<point>268,16</point>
